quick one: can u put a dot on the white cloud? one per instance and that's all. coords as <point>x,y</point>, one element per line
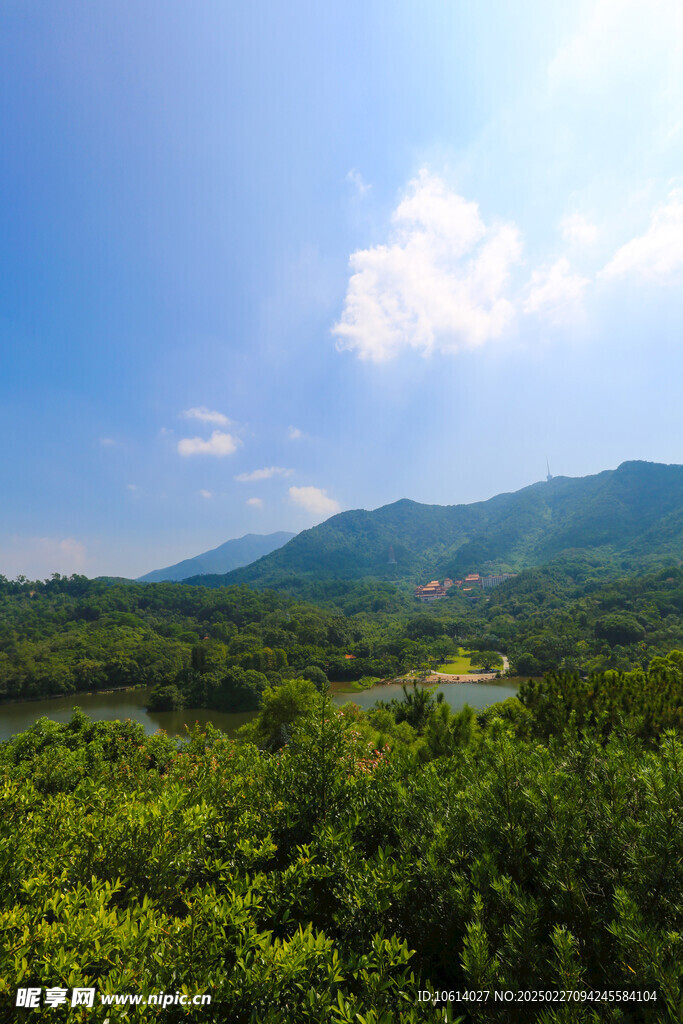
<point>263,474</point>
<point>132,487</point>
<point>314,500</point>
<point>39,557</point>
<point>107,442</point>
<point>254,502</point>
<point>206,416</point>
<point>205,494</point>
<point>617,41</point>
<point>294,434</point>
<point>658,254</point>
<point>356,179</point>
<point>577,230</point>
<point>219,444</point>
<point>555,293</point>
<point>439,283</point>
<point>72,551</point>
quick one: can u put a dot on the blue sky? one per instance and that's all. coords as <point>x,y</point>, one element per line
<point>264,262</point>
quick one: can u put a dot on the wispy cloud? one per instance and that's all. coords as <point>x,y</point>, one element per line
<point>39,557</point>
<point>657,255</point>
<point>578,230</point>
<point>219,444</point>
<point>314,500</point>
<point>205,494</point>
<point>206,416</point>
<point>294,434</point>
<point>107,442</point>
<point>132,487</point>
<point>356,179</point>
<point>619,42</point>
<point>556,293</point>
<point>263,474</point>
<point>439,283</point>
<point>254,502</point>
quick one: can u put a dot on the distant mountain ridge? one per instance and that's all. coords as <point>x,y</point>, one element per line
<point>231,555</point>
<point>633,513</point>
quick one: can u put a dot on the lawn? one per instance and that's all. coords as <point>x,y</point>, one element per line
<point>457,666</point>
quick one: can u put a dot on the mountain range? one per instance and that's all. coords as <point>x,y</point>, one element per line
<point>632,516</point>
<point>222,559</point>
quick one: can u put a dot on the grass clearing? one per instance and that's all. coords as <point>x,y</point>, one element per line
<point>459,665</point>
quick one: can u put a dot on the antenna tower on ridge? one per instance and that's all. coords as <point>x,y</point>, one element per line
<point>550,475</point>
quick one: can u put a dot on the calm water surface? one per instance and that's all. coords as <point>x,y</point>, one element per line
<point>456,695</point>
<point>119,704</point>
<point>122,704</point>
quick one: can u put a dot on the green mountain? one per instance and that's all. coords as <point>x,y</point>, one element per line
<point>222,559</point>
<point>632,516</point>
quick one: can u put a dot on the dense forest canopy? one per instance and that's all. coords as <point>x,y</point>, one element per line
<point>65,635</point>
<point>332,865</point>
<point>69,634</point>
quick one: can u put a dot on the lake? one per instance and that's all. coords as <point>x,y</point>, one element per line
<point>122,704</point>
<point>456,695</point>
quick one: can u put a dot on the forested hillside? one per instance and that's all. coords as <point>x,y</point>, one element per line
<point>334,865</point>
<point>331,865</point>
<point>221,647</point>
<point>565,615</point>
<point>630,517</point>
<point>66,635</point>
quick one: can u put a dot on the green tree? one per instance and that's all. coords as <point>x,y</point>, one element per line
<point>240,690</point>
<point>165,698</point>
<point>487,660</point>
<point>281,707</point>
<point>317,676</point>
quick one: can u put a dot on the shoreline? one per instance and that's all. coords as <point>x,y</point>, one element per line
<point>6,701</point>
<point>474,677</point>
<point>432,680</point>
